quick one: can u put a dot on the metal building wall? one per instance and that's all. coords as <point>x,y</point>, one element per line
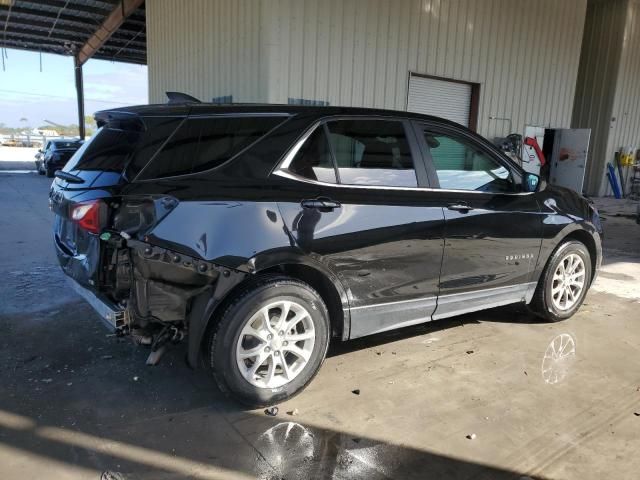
<point>608,90</point>
<point>524,53</point>
<point>207,48</point>
<point>597,77</point>
<point>625,131</point>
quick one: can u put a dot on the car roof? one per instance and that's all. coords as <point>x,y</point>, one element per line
<point>261,108</point>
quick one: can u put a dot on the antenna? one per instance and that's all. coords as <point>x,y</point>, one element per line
<point>179,97</point>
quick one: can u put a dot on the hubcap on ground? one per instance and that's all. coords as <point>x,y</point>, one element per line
<point>275,344</point>
<point>568,282</point>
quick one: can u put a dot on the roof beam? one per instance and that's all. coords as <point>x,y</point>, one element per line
<point>64,34</point>
<point>113,21</point>
<point>69,16</point>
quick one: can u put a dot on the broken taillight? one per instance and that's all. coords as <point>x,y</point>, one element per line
<point>87,215</point>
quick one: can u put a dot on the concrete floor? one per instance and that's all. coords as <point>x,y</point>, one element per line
<point>75,402</point>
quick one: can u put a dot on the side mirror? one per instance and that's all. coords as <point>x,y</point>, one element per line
<point>530,182</point>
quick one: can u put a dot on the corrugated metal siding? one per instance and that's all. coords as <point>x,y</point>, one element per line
<point>596,86</point>
<point>524,53</point>
<point>625,131</point>
<point>205,48</point>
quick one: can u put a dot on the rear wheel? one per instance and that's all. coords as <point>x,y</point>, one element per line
<point>564,282</point>
<point>49,171</point>
<point>270,341</point>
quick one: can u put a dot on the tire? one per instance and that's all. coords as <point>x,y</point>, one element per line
<point>244,313</point>
<point>49,172</point>
<point>546,303</point>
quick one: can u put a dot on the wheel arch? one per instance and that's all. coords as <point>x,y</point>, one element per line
<point>207,306</point>
<point>582,233</point>
<point>588,241</point>
<point>330,289</point>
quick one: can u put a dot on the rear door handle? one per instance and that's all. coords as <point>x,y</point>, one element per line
<point>322,203</point>
<point>459,207</point>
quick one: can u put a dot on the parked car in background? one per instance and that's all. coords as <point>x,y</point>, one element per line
<point>259,233</point>
<point>55,155</point>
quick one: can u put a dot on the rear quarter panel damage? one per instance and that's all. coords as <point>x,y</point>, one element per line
<point>204,229</point>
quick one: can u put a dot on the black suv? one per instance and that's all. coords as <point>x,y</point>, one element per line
<point>55,155</point>
<point>260,232</point>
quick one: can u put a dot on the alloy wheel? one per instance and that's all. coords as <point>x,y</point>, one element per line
<point>275,344</point>
<point>568,282</point>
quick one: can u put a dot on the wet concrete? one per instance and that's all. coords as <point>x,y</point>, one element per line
<point>543,400</point>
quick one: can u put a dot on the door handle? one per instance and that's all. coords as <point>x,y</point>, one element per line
<point>322,203</point>
<point>460,207</point>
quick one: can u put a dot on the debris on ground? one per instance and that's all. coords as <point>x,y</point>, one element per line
<point>471,436</point>
<point>271,411</point>
<point>135,379</point>
<point>637,414</point>
<point>525,372</point>
<point>47,380</point>
<point>356,391</point>
<point>469,352</point>
<point>106,357</point>
<point>293,412</point>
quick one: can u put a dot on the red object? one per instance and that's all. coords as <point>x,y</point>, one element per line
<point>87,215</point>
<point>532,142</point>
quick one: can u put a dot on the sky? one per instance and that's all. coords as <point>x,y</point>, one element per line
<point>50,94</point>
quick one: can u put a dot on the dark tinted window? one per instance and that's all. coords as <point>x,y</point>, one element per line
<point>66,145</point>
<point>313,160</point>
<point>121,143</point>
<point>203,143</point>
<point>372,152</point>
<point>460,165</point>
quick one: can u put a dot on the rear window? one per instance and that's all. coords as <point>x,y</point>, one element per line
<point>66,145</point>
<point>122,144</point>
<point>204,143</point>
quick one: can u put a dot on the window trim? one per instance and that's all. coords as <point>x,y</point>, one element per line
<point>481,143</point>
<point>425,160</point>
<point>417,157</point>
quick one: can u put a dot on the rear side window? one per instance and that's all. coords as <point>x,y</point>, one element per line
<point>313,160</point>
<point>372,152</point>
<point>123,144</point>
<point>204,143</point>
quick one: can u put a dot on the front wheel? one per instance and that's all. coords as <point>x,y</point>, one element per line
<point>270,341</point>
<point>564,282</point>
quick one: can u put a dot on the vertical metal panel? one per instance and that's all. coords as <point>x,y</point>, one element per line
<point>625,130</point>
<point>523,53</point>
<point>204,48</point>
<point>600,75</point>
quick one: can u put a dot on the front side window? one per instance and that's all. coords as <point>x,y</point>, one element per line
<point>460,165</point>
<point>372,152</point>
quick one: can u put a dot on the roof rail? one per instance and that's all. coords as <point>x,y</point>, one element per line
<point>179,97</point>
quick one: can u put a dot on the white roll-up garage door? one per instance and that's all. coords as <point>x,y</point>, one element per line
<point>441,98</point>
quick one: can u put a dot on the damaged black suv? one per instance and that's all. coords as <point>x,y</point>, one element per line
<point>258,233</point>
